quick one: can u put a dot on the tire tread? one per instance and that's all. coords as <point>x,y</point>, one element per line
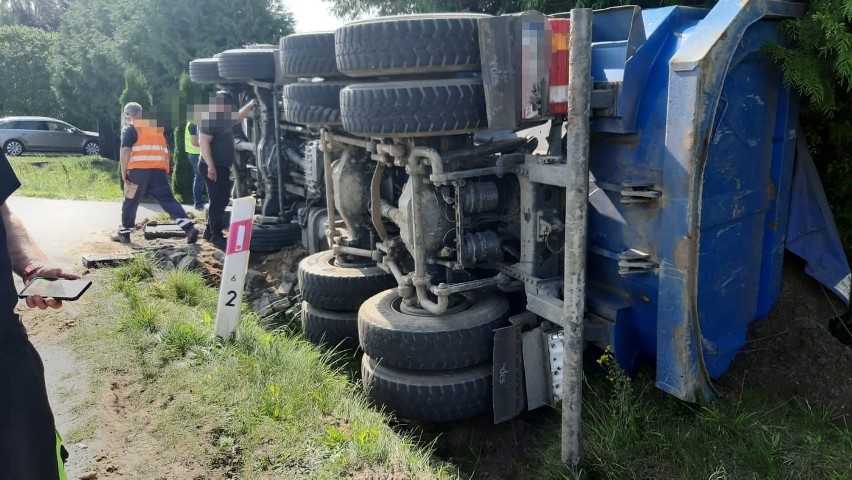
<point>309,55</point>
<point>418,108</point>
<point>409,45</point>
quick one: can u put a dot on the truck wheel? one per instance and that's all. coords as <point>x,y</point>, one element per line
<point>274,237</point>
<point>248,64</point>
<point>414,109</point>
<point>462,337</point>
<point>434,396</point>
<point>205,71</point>
<point>331,287</point>
<point>316,103</point>
<point>329,328</point>
<point>309,55</point>
<point>410,44</point>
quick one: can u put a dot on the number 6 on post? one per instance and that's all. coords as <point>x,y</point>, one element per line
<point>234,270</point>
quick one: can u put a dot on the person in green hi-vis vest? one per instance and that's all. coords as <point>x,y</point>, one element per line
<point>193,152</point>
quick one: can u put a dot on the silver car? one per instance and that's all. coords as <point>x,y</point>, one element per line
<point>45,134</point>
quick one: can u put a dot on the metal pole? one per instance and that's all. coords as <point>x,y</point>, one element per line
<point>282,202</point>
<point>576,211</point>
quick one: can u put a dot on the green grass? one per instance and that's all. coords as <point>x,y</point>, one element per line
<point>633,430</point>
<point>270,404</point>
<point>71,177</point>
<point>267,404</point>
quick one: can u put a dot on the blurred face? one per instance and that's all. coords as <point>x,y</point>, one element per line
<point>218,108</point>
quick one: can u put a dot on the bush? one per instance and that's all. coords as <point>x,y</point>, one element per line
<point>183,175</point>
<point>25,86</point>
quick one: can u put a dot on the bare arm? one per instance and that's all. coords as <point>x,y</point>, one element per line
<point>245,111</point>
<point>23,252</point>
<point>124,156</point>
<point>193,139</point>
<point>22,249</point>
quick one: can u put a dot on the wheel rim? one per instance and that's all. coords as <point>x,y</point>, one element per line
<point>92,148</point>
<point>14,148</point>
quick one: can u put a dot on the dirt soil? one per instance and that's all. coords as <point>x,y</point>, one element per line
<point>119,442</point>
<point>279,266</point>
<point>792,355</point>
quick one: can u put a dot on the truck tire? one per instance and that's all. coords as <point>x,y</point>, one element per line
<point>205,71</point>
<point>316,103</point>
<point>457,339</point>
<point>414,109</point>
<point>409,44</point>
<point>330,287</point>
<point>274,237</point>
<point>330,328</point>
<point>248,64</point>
<point>309,55</point>
<point>433,396</point>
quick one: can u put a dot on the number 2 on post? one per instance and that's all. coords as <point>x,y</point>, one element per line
<point>232,295</point>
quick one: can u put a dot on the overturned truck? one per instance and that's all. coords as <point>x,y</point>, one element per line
<point>444,214</point>
<point>278,162</point>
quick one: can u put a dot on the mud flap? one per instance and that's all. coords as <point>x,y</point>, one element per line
<point>509,397</point>
<point>154,230</point>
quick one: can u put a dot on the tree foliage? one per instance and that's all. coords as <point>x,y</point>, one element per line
<point>24,78</point>
<point>356,8</point>
<point>162,37</point>
<point>43,14</point>
<point>135,89</point>
<point>818,64</point>
<point>190,94</point>
<point>87,72</point>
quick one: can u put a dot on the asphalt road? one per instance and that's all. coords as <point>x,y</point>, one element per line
<point>65,228</point>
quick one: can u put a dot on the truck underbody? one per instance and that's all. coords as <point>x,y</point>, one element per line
<point>443,236</point>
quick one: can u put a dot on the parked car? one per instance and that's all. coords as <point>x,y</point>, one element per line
<point>45,134</point>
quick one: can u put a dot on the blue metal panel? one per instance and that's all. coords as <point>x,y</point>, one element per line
<point>704,119</point>
<point>811,231</point>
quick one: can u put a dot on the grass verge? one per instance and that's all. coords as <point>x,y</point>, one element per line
<point>633,430</point>
<point>269,404</point>
<point>266,405</point>
<point>71,177</point>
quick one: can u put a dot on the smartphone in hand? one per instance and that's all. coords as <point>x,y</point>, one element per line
<point>60,288</point>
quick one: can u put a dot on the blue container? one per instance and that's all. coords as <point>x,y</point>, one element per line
<point>692,175</point>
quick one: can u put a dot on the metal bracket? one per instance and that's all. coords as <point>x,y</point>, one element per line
<point>555,354</point>
<point>639,193</point>
<point>604,98</point>
<point>633,261</point>
<point>548,224</point>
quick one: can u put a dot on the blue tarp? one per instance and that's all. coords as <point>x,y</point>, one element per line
<point>811,231</point>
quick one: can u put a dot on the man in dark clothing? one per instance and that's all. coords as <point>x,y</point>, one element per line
<point>217,155</point>
<point>145,166</point>
<point>29,445</point>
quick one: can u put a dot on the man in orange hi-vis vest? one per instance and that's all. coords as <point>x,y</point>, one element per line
<point>145,170</point>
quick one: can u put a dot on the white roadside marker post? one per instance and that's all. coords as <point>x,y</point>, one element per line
<point>236,265</point>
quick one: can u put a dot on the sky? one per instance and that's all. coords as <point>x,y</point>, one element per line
<point>312,15</point>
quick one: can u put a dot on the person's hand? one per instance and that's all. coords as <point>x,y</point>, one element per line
<point>211,172</point>
<point>50,272</point>
<point>253,103</point>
